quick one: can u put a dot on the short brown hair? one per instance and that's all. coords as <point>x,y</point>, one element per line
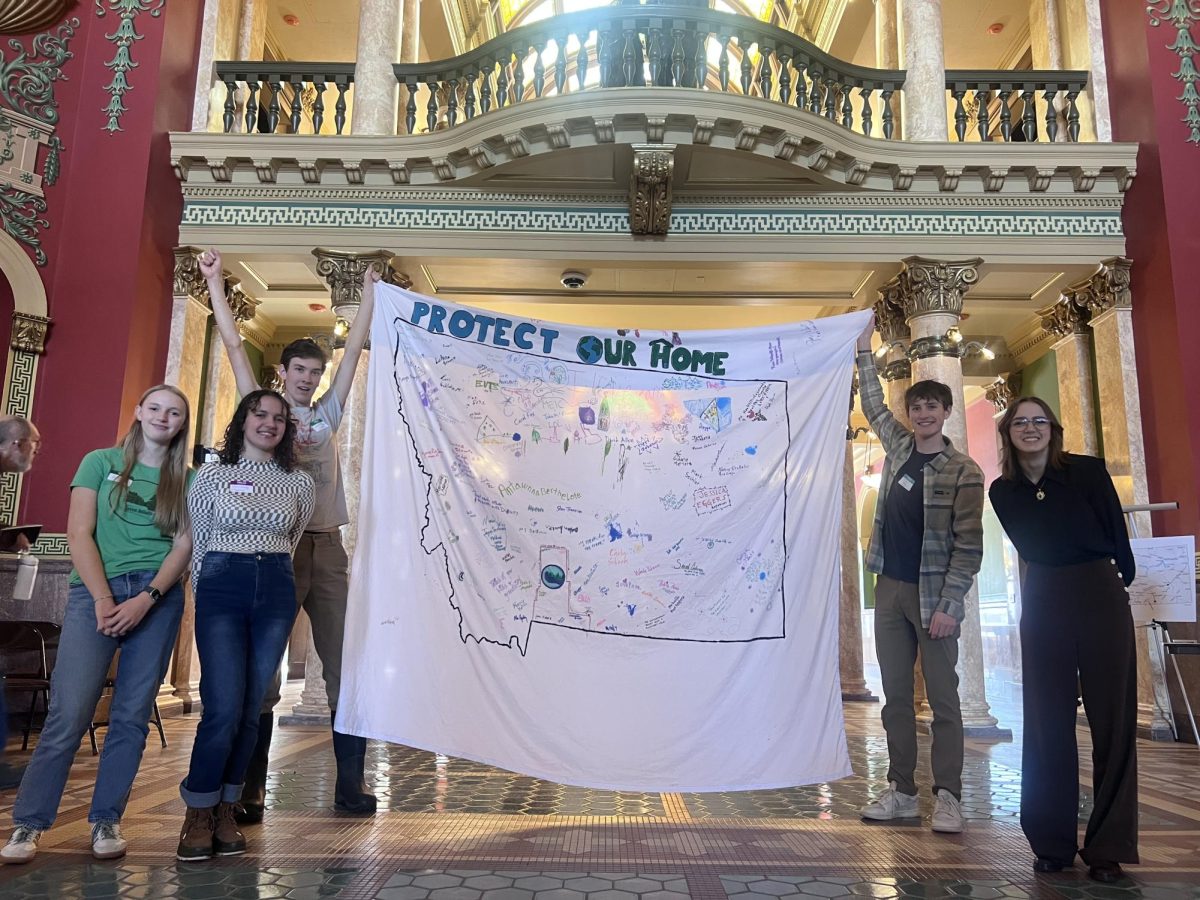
<point>1010,469</point>
<point>929,390</point>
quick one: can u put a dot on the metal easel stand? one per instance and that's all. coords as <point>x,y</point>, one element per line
<point>1157,660</point>
<point>1173,649</point>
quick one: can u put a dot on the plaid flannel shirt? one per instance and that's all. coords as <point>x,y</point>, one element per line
<point>952,544</point>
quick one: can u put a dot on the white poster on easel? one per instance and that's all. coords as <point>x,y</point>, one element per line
<point>1165,586</point>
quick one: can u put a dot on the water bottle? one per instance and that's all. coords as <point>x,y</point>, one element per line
<point>27,566</point>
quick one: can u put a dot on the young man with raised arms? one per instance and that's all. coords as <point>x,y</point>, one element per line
<point>321,567</point>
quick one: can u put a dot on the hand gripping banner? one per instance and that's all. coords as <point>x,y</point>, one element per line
<point>604,558</point>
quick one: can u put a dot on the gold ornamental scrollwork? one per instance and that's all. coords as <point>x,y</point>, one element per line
<point>29,333</point>
<point>890,321</point>
<point>242,305</point>
<point>650,189</point>
<point>188,280</point>
<point>343,271</point>
<point>1109,287</point>
<point>1003,391</point>
<point>1065,317</point>
<point>937,285</point>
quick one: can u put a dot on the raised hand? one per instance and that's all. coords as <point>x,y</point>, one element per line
<point>371,275</point>
<point>210,264</point>
<point>864,339</point>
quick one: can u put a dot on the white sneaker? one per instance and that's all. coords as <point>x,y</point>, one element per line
<point>107,842</point>
<point>947,814</point>
<point>22,846</point>
<point>891,804</point>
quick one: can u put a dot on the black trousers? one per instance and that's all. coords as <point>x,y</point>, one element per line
<point>1077,630</point>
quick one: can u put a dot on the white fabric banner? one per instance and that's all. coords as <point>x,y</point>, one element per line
<point>602,558</point>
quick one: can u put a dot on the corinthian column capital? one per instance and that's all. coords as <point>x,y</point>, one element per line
<point>1109,287</point>
<point>937,285</point>
<point>1067,316</point>
<point>890,320</point>
<point>343,271</point>
<point>188,280</point>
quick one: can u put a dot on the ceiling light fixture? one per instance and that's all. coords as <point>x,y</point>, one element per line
<point>291,19</point>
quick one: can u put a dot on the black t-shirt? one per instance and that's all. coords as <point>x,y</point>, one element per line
<point>904,520</point>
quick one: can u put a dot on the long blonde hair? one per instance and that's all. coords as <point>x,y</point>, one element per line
<point>170,499</point>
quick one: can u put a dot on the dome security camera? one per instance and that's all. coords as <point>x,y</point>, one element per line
<point>573,280</point>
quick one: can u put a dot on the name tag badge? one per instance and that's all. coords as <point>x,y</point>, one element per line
<point>906,482</point>
<point>113,476</point>
<point>320,425</point>
<point>241,487</point>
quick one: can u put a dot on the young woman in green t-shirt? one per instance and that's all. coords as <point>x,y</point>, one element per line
<point>131,542</point>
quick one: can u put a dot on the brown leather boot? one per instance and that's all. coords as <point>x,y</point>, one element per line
<point>196,838</point>
<point>227,839</point>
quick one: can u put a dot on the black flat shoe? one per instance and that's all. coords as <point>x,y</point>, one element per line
<point>1106,873</point>
<point>1045,865</point>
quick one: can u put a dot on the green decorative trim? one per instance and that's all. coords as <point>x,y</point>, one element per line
<point>19,216</point>
<point>122,64</point>
<point>27,82</point>
<point>1182,14</point>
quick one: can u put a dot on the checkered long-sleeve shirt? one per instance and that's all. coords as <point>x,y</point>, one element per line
<point>952,544</point>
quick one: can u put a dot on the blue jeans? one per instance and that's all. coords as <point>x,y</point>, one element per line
<point>80,670</point>
<point>245,607</point>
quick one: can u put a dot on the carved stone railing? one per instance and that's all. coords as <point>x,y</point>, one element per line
<point>659,46</point>
<point>298,94</point>
<point>993,96</point>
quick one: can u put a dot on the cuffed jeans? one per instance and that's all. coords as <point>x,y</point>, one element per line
<point>81,668</point>
<point>245,606</point>
<point>899,634</point>
<point>322,586</point>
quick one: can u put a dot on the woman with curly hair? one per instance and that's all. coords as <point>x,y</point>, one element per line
<point>248,511</point>
<point>129,537</point>
<point>1063,514</point>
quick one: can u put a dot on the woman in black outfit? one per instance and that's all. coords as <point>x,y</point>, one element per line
<point>1064,517</point>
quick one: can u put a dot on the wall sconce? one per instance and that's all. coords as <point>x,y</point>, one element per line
<point>977,347</point>
<point>869,478</point>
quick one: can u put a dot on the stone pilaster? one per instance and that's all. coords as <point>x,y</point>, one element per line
<point>206,111</point>
<point>252,30</point>
<point>933,294</point>
<point>924,100</point>
<point>1097,84</point>
<point>410,32</point>
<point>1067,320</point>
<point>376,92</point>
<point>887,45</point>
<point>1108,298</point>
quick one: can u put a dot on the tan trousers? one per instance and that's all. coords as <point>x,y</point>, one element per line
<point>322,585</point>
<point>899,634</point>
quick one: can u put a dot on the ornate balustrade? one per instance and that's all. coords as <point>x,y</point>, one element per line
<point>662,46</point>
<point>649,46</point>
<point>1024,86</point>
<point>300,94</point>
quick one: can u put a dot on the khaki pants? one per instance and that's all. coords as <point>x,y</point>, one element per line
<point>322,585</point>
<point>899,634</point>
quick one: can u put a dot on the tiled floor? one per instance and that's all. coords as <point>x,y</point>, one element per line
<point>450,829</point>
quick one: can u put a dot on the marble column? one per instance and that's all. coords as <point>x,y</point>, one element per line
<point>376,91</point>
<point>1110,302</point>
<point>343,272</point>
<point>933,292</point>
<point>1002,393</point>
<point>252,30</point>
<point>206,112</point>
<point>1097,85</point>
<point>924,104</point>
<point>850,640</point>
<point>1067,321</point>
<point>185,365</point>
<point>1046,48</point>
<point>410,32</point>
<point>887,47</point>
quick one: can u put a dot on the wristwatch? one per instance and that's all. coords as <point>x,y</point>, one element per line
<point>155,593</point>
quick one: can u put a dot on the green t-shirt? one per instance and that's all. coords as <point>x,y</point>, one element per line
<point>127,537</point>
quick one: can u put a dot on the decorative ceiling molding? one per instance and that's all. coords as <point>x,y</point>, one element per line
<point>650,189</point>
<point>835,159</point>
<point>28,16</point>
<point>122,63</point>
<point>1182,14</point>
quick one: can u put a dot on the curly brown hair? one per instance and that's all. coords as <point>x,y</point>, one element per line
<point>235,434</point>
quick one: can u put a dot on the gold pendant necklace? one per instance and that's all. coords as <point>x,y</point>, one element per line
<point>1041,495</point>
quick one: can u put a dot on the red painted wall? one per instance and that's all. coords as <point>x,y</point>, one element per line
<point>1162,225</point>
<point>114,217</point>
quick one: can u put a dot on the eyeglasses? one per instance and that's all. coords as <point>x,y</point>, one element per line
<point>27,442</point>
<point>1025,422</point>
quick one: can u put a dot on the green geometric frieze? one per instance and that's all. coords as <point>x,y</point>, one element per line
<point>122,63</point>
<point>1182,14</point>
